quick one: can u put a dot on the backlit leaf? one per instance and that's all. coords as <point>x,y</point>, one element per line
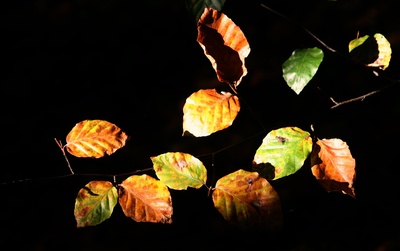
<point>145,199</point>
<point>371,51</point>
<point>196,7</point>
<point>247,200</point>
<point>95,138</point>
<point>282,152</point>
<point>301,67</point>
<point>208,111</point>
<point>179,170</point>
<point>224,44</point>
<point>333,166</point>
<point>95,203</point>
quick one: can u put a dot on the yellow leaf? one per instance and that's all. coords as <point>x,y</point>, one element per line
<point>385,52</point>
<point>224,44</point>
<point>334,166</point>
<point>145,199</point>
<point>208,111</point>
<point>95,138</point>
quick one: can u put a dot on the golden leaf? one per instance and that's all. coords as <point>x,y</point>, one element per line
<point>334,166</point>
<point>208,111</point>
<point>249,201</point>
<point>224,44</point>
<point>95,138</point>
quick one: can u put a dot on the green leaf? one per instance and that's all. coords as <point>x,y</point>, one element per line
<point>282,152</point>
<point>196,7</point>
<point>95,203</point>
<point>247,200</point>
<point>179,170</point>
<point>301,67</point>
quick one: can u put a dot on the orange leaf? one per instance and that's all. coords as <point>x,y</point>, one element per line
<point>333,166</point>
<point>145,199</point>
<point>208,111</point>
<point>248,200</point>
<point>94,138</point>
<point>224,44</point>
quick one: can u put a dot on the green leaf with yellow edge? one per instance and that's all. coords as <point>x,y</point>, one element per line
<point>371,51</point>
<point>248,201</point>
<point>301,67</point>
<point>95,203</point>
<point>95,138</point>
<point>282,152</point>
<point>179,170</point>
<point>207,111</point>
<point>145,199</point>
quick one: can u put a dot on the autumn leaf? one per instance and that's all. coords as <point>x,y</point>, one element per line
<point>179,170</point>
<point>282,152</point>
<point>208,111</point>
<point>224,44</point>
<point>95,203</point>
<point>301,67</point>
<point>333,166</point>
<point>247,200</point>
<point>371,51</point>
<point>145,199</point>
<point>95,138</point>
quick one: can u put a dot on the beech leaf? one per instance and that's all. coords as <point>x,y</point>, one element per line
<point>207,111</point>
<point>95,203</point>
<point>247,200</point>
<point>95,138</point>
<point>282,152</point>
<point>196,7</point>
<point>179,170</point>
<point>301,67</point>
<point>224,44</point>
<point>333,166</point>
<point>145,199</point>
<point>371,51</point>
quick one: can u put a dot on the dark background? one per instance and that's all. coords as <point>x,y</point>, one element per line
<point>134,63</point>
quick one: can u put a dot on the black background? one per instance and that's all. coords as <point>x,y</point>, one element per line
<point>134,64</point>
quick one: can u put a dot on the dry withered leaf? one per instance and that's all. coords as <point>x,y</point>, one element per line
<point>334,166</point>
<point>224,44</point>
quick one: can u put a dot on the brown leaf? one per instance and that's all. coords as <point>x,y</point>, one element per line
<point>145,199</point>
<point>334,166</point>
<point>224,44</point>
<point>95,138</point>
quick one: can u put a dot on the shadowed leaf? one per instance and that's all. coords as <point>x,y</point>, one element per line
<point>333,166</point>
<point>208,111</point>
<point>196,7</point>
<point>95,203</point>
<point>301,67</point>
<point>95,138</point>
<point>224,44</point>
<point>145,199</point>
<point>179,170</point>
<point>247,200</point>
<point>282,152</point>
<point>371,51</point>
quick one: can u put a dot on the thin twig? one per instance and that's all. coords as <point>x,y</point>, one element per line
<point>59,143</point>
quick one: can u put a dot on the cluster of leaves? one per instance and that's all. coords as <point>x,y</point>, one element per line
<point>245,197</point>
